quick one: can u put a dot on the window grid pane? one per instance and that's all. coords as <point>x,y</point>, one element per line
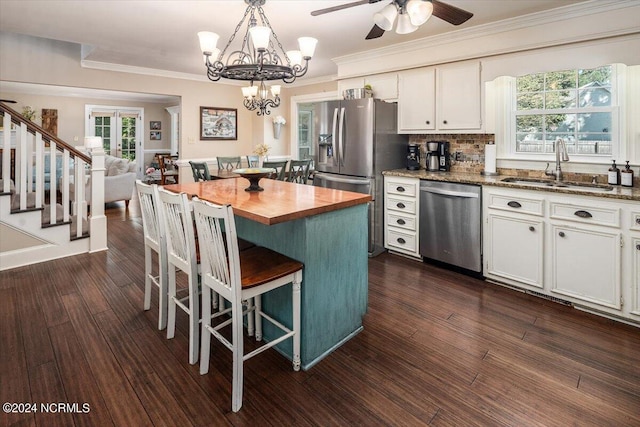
<point>574,105</point>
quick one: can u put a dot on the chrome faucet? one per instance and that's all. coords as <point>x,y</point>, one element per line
<point>561,156</point>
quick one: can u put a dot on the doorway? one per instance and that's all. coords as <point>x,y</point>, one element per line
<point>119,127</point>
<point>302,143</point>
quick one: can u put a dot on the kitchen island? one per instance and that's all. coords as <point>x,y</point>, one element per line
<point>323,228</point>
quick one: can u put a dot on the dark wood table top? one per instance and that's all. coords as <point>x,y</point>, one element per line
<point>279,202</point>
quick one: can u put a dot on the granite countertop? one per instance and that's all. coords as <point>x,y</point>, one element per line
<point>618,192</point>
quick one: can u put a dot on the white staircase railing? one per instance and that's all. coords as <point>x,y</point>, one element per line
<point>39,171</point>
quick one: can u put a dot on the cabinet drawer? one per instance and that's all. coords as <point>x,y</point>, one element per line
<point>531,206</point>
<point>409,189</point>
<point>402,205</point>
<point>635,220</point>
<point>401,221</point>
<point>609,217</point>
<point>404,241</point>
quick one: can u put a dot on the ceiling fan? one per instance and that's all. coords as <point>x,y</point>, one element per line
<point>410,15</point>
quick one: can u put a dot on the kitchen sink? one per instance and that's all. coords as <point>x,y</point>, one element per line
<point>582,186</point>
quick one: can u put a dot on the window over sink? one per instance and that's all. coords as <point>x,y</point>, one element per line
<point>576,105</point>
<point>594,108</point>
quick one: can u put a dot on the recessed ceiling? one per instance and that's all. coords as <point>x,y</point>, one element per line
<point>161,34</point>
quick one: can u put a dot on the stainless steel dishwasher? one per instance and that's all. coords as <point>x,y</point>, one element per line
<point>450,223</point>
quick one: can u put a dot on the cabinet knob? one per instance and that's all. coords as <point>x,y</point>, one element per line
<point>532,228</point>
<point>401,240</point>
<point>428,122</point>
<point>401,205</point>
<point>514,204</point>
<point>401,221</point>
<point>444,122</point>
<point>638,246</point>
<point>638,220</point>
<point>561,234</point>
<point>400,189</point>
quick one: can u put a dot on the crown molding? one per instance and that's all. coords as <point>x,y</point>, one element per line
<point>541,19</point>
<point>109,66</point>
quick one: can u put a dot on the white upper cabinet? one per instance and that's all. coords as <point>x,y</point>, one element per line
<point>384,86</point>
<point>458,96</point>
<point>416,100</point>
<point>443,98</point>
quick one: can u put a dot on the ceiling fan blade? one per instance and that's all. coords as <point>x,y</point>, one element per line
<point>374,33</point>
<point>343,6</point>
<point>451,14</point>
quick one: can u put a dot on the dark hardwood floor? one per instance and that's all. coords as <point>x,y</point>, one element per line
<point>438,348</point>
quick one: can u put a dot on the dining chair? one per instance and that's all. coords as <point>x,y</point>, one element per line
<point>181,255</point>
<point>229,163</point>
<point>239,276</point>
<point>299,171</point>
<point>168,174</point>
<point>154,240</point>
<point>253,161</point>
<point>200,171</point>
<point>280,169</point>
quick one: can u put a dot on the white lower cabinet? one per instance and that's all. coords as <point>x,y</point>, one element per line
<point>586,265</point>
<point>581,249</point>
<point>401,213</point>
<point>635,278</point>
<point>514,249</point>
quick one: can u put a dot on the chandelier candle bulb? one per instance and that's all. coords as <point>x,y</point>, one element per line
<point>307,46</point>
<point>295,57</point>
<point>260,37</point>
<point>208,42</point>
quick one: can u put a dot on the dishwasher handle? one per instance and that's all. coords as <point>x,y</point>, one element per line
<point>463,194</point>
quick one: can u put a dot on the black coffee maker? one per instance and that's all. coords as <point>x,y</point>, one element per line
<point>413,157</point>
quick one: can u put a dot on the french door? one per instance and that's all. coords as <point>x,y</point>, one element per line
<point>120,129</point>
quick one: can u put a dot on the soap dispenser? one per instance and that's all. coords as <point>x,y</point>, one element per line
<point>614,174</point>
<point>626,176</point>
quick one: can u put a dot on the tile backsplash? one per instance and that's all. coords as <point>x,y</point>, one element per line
<point>467,156</point>
<point>467,150</point>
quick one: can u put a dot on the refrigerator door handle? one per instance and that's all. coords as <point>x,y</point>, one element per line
<point>341,151</point>
<point>336,152</point>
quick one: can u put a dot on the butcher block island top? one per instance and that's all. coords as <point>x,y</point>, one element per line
<point>279,202</point>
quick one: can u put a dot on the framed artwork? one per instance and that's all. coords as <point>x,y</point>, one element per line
<point>50,120</point>
<point>155,135</point>
<point>155,125</point>
<point>218,123</point>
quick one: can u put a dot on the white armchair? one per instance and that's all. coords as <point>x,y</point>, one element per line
<point>119,181</point>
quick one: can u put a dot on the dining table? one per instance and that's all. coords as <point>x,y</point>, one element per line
<point>222,174</point>
<point>326,230</point>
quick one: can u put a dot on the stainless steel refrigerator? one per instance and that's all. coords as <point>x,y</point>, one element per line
<point>355,141</point>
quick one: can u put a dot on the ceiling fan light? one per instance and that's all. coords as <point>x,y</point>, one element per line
<point>260,36</point>
<point>386,17</point>
<point>419,11</point>
<point>307,46</point>
<point>208,41</point>
<point>404,24</point>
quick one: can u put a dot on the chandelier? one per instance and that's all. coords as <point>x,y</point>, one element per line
<point>259,59</point>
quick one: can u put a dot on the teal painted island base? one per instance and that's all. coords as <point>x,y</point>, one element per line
<point>333,248</point>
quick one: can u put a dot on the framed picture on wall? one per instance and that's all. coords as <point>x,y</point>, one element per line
<point>218,123</point>
<point>155,125</point>
<point>155,135</point>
